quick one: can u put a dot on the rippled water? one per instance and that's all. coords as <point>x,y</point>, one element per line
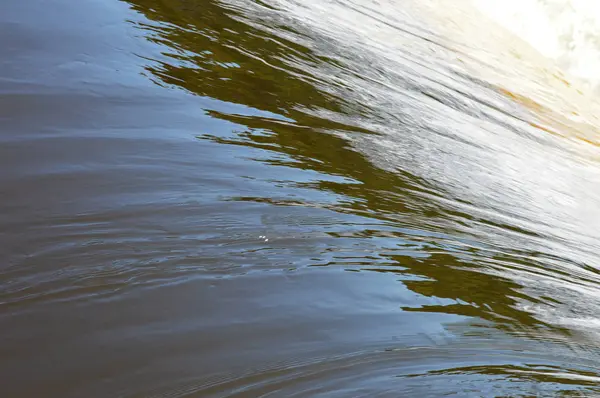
<point>293,198</point>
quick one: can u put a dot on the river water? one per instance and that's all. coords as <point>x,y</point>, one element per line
<point>287,198</point>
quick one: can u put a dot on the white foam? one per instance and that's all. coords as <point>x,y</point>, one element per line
<point>567,31</point>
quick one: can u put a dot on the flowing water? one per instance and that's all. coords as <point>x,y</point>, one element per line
<point>299,198</point>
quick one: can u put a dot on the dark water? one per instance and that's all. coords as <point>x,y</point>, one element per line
<point>283,199</point>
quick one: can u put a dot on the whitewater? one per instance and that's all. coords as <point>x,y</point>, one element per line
<point>567,32</point>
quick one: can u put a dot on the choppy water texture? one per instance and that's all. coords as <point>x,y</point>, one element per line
<point>292,198</point>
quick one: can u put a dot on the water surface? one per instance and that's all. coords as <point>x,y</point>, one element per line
<point>291,198</point>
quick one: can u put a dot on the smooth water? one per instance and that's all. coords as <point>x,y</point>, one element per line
<point>292,198</point>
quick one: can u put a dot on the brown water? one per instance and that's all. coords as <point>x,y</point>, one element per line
<point>287,199</point>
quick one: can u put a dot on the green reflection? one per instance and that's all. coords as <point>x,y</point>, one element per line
<point>214,53</point>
